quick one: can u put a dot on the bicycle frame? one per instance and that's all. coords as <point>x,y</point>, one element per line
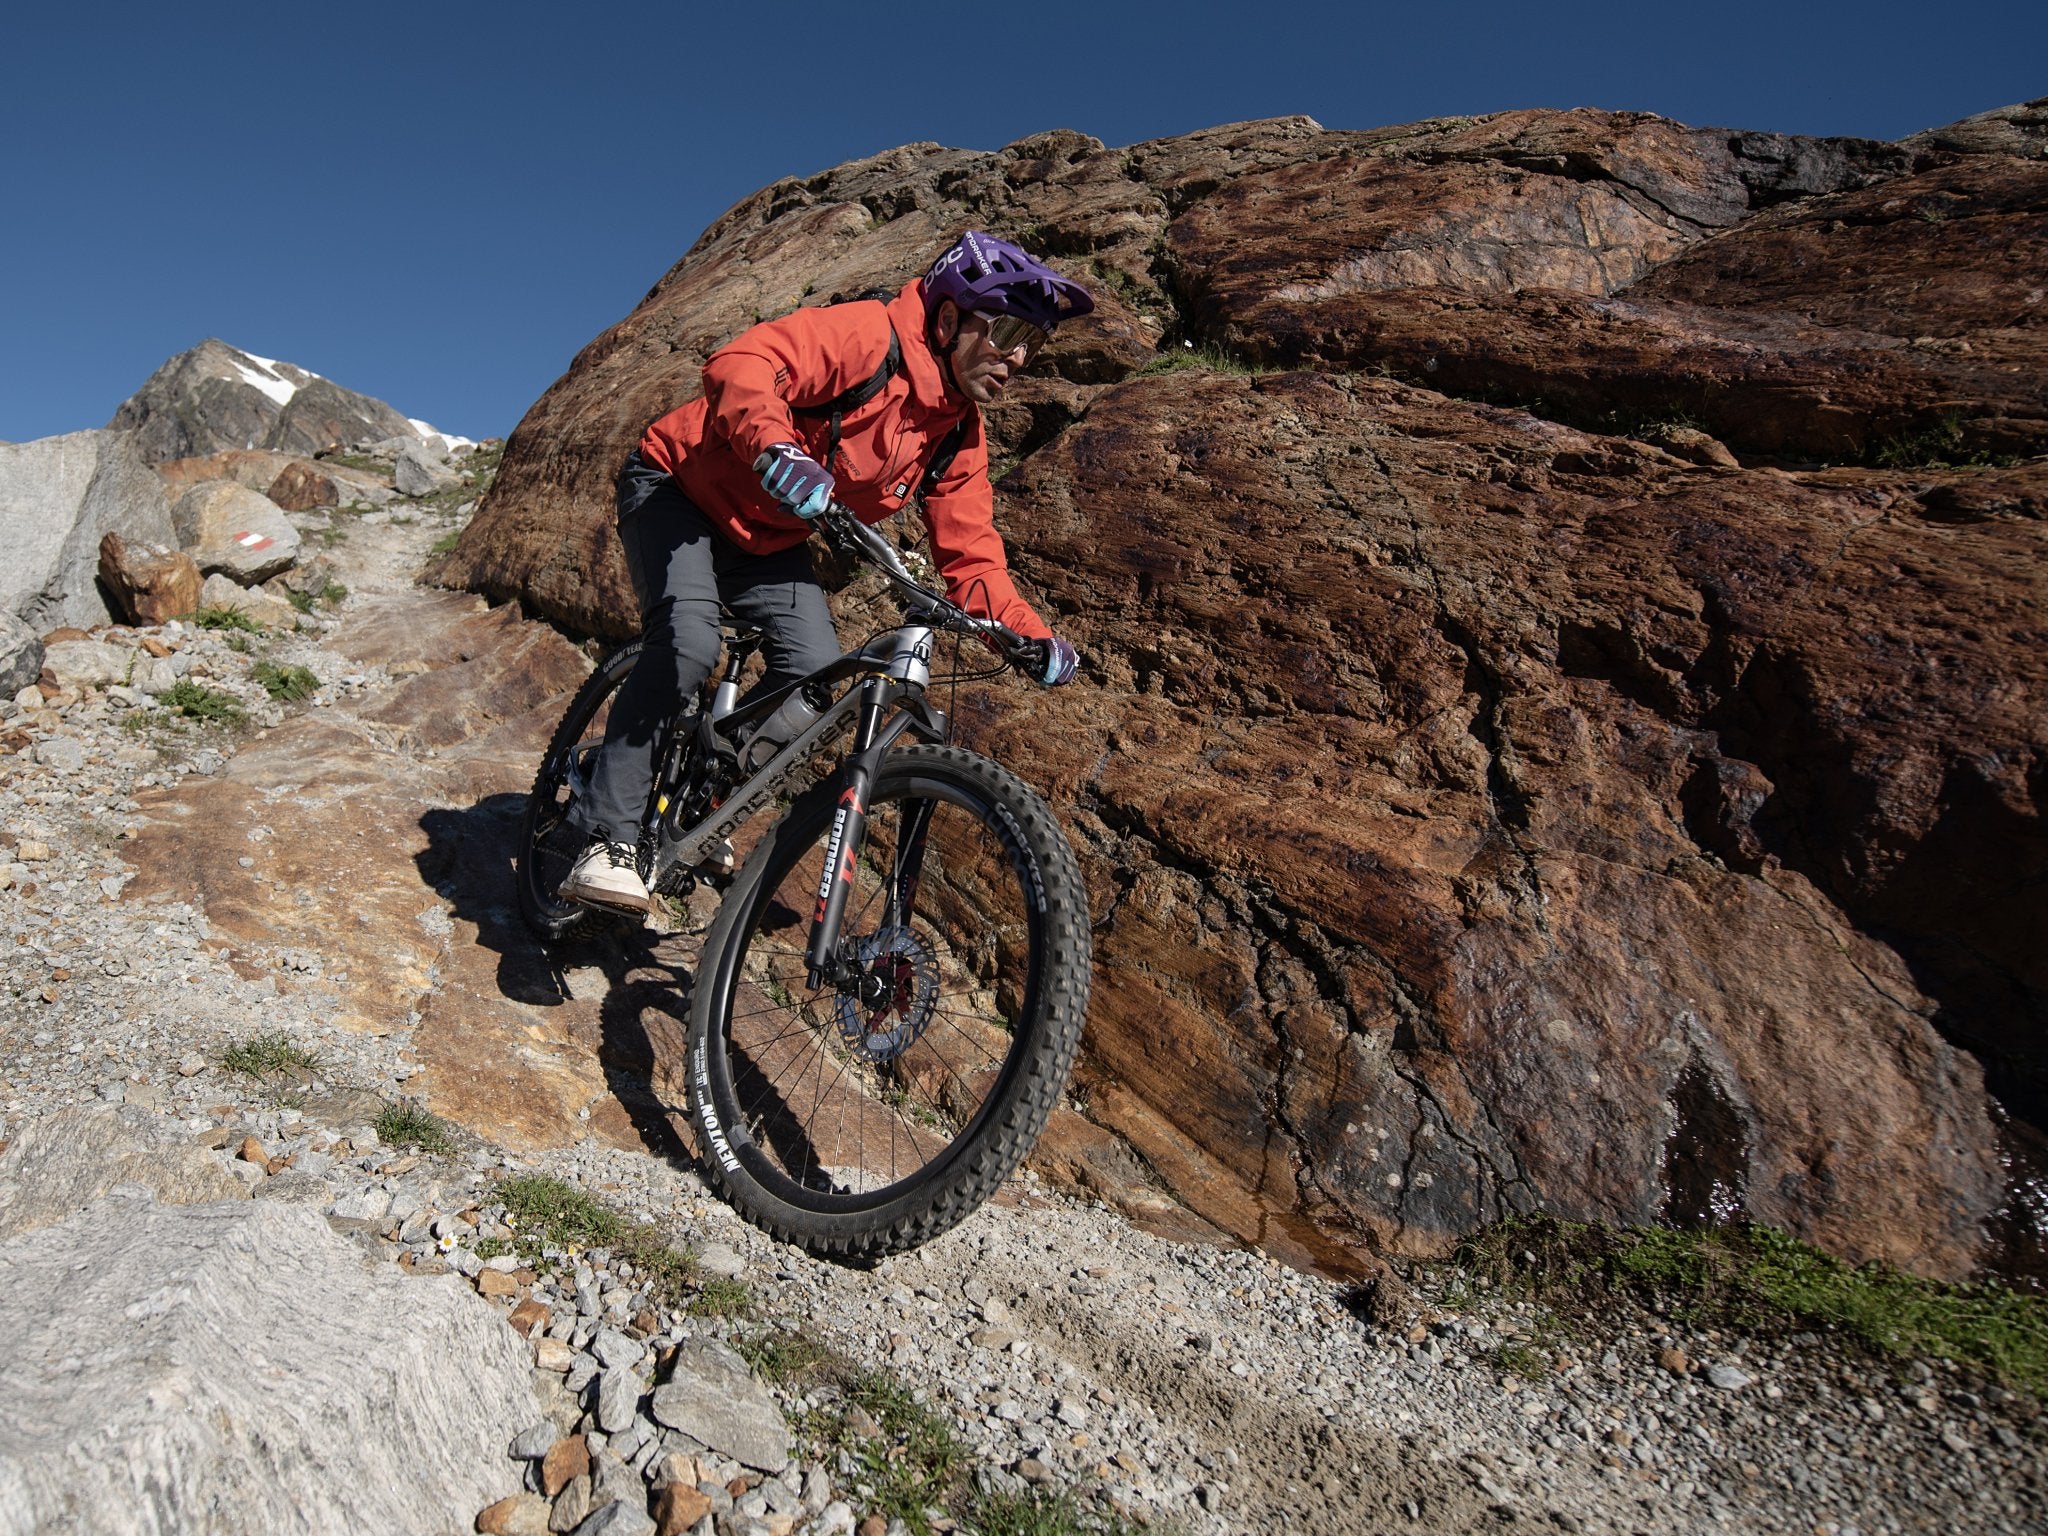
<point>892,672</point>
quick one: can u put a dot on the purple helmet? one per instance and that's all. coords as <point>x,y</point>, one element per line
<point>980,273</point>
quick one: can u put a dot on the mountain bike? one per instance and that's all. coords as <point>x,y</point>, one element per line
<point>888,1001</point>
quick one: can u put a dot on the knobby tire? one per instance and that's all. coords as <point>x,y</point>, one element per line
<point>858,1130</point>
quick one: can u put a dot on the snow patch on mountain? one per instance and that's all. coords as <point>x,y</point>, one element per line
<point>427,430</point>
<point>264,379</point>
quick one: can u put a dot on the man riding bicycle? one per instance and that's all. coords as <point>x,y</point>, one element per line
<point>848,403</point>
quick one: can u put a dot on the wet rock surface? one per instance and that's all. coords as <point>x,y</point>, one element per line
<point>1616,791</point>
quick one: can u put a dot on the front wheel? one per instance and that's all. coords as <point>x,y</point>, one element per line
<point>868,1117</point>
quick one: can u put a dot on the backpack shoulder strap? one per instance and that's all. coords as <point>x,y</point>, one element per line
<point>856,397</point>
<point>943,456</point>
<point>853,399</point>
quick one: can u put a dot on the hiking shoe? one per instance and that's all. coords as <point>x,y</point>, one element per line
<point>607,875</point>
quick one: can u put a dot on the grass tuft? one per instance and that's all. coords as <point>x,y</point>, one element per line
<point>1523,1360</point>
<point>1759,1279</point>
<point>224,618</point>
<point>196,701</point>
<point>782,1357</point>
<point>720,1297</point>
<point>1036,1512</point>
<point>904,1461</point>
<point>915,1464</point>
<point>406,1124</point>
<point>330,595</point>
<point>288,684</point>
<point>551,1213</point>
<point>1937,446</point>
<point>1209,359</point>
<point>261,1055</point>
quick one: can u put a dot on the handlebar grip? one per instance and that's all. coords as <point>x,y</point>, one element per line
<point>1025,654</point>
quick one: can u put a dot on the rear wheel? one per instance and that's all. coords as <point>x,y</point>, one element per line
<point>868,1117</point>
<point>548,844</point>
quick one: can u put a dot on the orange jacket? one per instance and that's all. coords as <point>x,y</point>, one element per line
<point>811,356</point>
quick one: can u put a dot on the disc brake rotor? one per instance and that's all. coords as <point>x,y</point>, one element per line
<point>883,1030</point>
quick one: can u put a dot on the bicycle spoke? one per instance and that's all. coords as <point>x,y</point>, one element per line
<point>857,1094</point>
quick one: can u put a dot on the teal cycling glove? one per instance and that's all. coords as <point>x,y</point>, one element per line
<point>795,479</point>
<point>1050,661</point>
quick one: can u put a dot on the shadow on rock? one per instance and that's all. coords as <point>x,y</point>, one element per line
<point>634,981</point>
<point>468,862</point>
<point>645,1019</point>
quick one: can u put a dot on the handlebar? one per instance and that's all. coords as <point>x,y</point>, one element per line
<point>851,536</point>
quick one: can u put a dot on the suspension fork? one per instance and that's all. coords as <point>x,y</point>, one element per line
<point>903,879</point>
<point>874,734</point>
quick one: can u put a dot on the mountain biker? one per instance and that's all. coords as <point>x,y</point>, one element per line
<point>716,500</point>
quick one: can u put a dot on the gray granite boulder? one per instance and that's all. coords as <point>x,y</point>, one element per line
<point>59,496</point>
<point>418,471</point>
<point>229,529</point>
<point>63,1162</point>
<point>713,1398</point>
<point>240,1368</point>
<point>88,663</point>
<point>21,655</point>
<point>220,591</point>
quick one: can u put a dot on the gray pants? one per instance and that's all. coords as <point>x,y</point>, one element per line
<point>681,567</point>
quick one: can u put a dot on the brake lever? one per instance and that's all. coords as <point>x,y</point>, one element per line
<point>843,541</point>
<point>1024,654</point>
<point>849,539</point>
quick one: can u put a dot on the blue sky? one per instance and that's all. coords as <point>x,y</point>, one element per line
<point>439,203</point>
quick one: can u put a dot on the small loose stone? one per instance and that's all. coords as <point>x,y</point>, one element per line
<point>564,1461</point>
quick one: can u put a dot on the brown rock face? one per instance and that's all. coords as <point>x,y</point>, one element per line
<point>344,816</point>
<point>1483,812</point>
<point>255,468</point>
<point>300,487</point>
<point>1839,327</point>
<point>295,484</point>
<point>148,583</point>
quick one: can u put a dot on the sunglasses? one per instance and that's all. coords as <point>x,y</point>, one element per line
<point>1006,333</point>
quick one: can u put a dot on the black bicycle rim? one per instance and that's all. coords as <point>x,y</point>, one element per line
<point>838,1107</point>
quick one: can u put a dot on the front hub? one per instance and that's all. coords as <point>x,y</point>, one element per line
<point>887,995</point>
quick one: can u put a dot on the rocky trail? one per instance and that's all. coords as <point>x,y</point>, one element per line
<point>330,884</point>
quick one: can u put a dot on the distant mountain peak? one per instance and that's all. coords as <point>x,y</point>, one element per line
<point>216,397</point>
